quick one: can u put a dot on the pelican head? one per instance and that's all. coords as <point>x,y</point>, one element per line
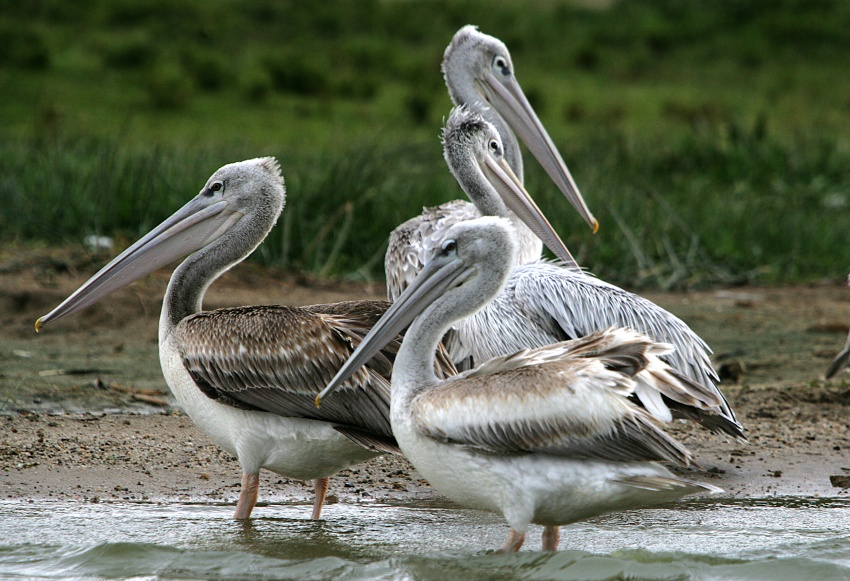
<point>240,202</point>
<point>474,152</point>
<point>466,270</point>
<point>479,73</point>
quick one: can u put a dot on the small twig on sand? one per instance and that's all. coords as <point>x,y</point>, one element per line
<point>150,399</point>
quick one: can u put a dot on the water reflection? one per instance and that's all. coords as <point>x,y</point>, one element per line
<point>362,532</point>
<point>703,539</point>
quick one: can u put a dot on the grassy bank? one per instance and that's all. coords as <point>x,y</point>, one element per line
<point>708,137</point>
<point>725,206</point>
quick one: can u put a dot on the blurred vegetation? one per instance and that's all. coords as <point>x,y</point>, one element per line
<point>709,137</point>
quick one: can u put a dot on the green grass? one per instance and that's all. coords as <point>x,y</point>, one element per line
<point>710,138</point>
<point>722,206</point>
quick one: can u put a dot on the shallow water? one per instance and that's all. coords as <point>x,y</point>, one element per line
<point>708,539</point>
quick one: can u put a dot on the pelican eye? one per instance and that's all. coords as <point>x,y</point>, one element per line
<point>449,246</point>
<point>494,145</point>
<point>214,187</point>
<point>501,64</point>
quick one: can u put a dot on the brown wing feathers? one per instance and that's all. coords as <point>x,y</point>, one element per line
<point>277,359</point>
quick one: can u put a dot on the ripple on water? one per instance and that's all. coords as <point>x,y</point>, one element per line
<point>706,540</point>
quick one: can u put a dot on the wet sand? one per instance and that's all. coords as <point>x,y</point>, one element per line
<point>86,414</point>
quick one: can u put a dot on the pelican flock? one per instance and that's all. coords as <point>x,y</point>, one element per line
<point>546,436</point>
<point>544,303</point>
<point>247,376</point>
<point>565,378</point>
<point>479,74</point>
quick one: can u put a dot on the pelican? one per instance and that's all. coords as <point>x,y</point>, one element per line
<point>479,73</point>
<point>247,376</point>
<point>546,436</point>
<point>842,359</point>
<point>544,303</point>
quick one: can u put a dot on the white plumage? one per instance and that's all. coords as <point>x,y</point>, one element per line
<point>247,376</point>
<point>548,436</point>
<point>544,302</point>
<point>479,75</point>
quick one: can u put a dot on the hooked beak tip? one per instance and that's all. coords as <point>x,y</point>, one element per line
<point>38,324</point>
<point>318,401</point>
<point>595,225</point>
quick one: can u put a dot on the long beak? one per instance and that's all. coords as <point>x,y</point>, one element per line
<point>517,199</point>
<point>510,102</point>
<point>431,282</point>
<point>190,228</point>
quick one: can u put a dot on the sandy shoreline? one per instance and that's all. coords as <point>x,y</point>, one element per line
<point>797,447</point>
<point>771,344</point>
<point>157,457</point>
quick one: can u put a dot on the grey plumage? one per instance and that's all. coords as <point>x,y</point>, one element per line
<point>530,375</point>
<point>413,241</point>
<point>546,435</point>
<point>479,75</point>
<point>247,375</point>
<point>544,303</point>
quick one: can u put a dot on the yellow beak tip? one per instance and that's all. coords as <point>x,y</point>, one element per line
<point>318,401</point>
<point>38,324</point>
<point>595,226</point>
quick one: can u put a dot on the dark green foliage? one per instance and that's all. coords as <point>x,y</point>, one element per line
<point>23,48</point>
<point>728,206</point>
<point>129,53</point>
<point>256,86</point>
<point>336,220</point>
<point>168,87</point>
<point>356,86</point>
<point>587,58</point>
<point>294,74</point>
<point>418,107</point>
<point>209,70</point>
<point>710,137</point>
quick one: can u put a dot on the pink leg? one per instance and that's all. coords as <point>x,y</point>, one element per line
<point>247,496</point>
<point>514,542</point>
<point>551,536</point>
<point>321,491</point>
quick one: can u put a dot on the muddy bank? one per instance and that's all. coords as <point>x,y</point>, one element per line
<point>772,345</point>
<point>796,446</point>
